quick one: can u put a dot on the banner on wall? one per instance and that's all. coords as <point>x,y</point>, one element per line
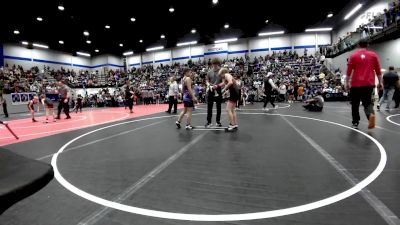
<point>216,51</point>
<point>21,98</point>
<point>223,47</point>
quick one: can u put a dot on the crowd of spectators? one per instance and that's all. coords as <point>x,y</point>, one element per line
<point>301,75</point>
<point>376,24</point>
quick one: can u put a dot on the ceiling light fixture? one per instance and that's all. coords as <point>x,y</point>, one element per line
<point>40,19</point>
<point>121,45</point>
<point>225,40</point>
<point>107,26</point>
<point>215,2</point>
<point>88,41</point>
<point>193,31</point>
<point>61,8</point>
<point>226,26</point>
<point>266,21</point>
<point>162,36</point>
<point>96,50</point>
<point>16,31</point>
<point>358,7</point>
<point>271,33</point>
<point>171,10</point>
<point>40,45</point>
<point>319,29</point>
<point>141,41</point>
<point>154,48</point>
<point>128,53</point>
<point>86,33</point>
<point>83,54</point>
<point>25,43</point>
<point>330,15</point>
<point>186,43</point>
<point>61,42</point>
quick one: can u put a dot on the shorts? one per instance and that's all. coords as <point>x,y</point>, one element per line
<point>188,104</point>
<point>234,94</point>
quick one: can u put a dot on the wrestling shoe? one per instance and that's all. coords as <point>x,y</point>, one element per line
<point>178,124</point>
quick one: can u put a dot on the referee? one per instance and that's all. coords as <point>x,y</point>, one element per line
<point>64,100</point>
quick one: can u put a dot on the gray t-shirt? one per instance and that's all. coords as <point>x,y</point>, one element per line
<point>213,77</point>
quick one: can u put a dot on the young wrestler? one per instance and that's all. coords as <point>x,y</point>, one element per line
<point>49,107</point>
<point>31,107</point>
<point>230,86</point>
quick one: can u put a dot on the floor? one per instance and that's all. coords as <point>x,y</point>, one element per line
<point>284,166</point>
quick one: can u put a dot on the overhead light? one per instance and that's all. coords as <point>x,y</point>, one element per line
<point>271,33</point>
<point>108,27</point>
<point>162,36</point>
<point>121,45</point>
<point>141,41</point>
<point>171,10</point>
<point>83,54</point>
<point>128,53</point>
<point>330,15</point>
<point>226,26</point>
<point>88,41</point>
<point>186,43</point>
<point>375,27</point>
<point>39,19</point>
<point>86,33</point>
<point>40,45</point>
<point>319,29</point>
<point>16,31</point>
<point>96,50</point>
<point>61,42</point>
<point>193,31</point>
<point>358,7</point>
<point>24,43</point>
<point>154,48</point>
<point>266,21</point>
<point>133,19</point>
<point>61,8</point>
<point>215,2</point>
<point>225,40</point>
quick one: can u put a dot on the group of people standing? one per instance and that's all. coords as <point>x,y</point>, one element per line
<point>220,84</point>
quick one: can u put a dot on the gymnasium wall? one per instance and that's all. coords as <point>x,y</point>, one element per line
<point>258,46</point>
<point>255,47</point>
<point>388,52</point>
<point>361,17</point>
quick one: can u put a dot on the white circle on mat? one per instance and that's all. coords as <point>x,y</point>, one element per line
<point>223,217</point>
<point>389,119</point>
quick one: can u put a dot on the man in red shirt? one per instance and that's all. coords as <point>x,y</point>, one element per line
<point>363,66</point>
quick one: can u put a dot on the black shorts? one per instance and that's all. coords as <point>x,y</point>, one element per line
<point>234,94</point>
<point>188,104</point>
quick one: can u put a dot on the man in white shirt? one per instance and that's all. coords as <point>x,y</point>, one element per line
<point>173,93</point>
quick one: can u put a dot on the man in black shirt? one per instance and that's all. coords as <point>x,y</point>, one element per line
<point>64,100</point>
<point>129,97</point>
<point>214,95</point>
<point>389,85</point>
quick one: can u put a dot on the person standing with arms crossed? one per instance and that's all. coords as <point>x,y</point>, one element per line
<point>64,100</point>
<point>362,68</point>
<point>214,95</point>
